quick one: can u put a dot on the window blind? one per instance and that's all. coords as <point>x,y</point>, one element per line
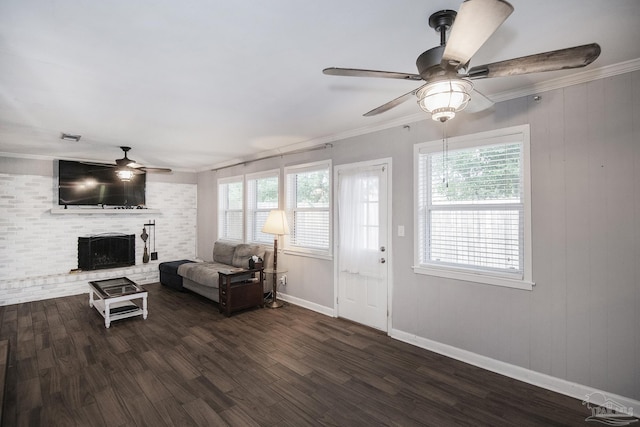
<point>308,196</point>
<point>262,197</point>
<point>230,210</point>
<point>471,208</point>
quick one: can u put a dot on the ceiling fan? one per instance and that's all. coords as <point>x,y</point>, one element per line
<point>127,167</point>
<point>445,68</point>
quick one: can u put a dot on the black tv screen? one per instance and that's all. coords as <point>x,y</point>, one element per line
<point>95,184</point>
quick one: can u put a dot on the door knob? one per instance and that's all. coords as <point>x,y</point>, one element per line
<point>382,249</point>
<point>382,260</point>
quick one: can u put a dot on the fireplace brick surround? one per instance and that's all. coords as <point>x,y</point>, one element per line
<point>15,291</point>
<point>39,249</point>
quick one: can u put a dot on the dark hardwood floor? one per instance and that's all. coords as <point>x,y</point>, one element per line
<point>189,365</point>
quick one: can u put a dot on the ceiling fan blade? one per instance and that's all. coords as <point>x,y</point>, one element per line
<point>476,21</point>
<point>124,162</point>
<point>146,169</point>
<point>563,59</point>
<point>389,105</point>
<point>96,163</point>
<point>355,72</point>
<point>479,102</point>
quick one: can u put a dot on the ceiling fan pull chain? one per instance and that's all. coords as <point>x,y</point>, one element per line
<point>445,155</point>
<point>443,161</point>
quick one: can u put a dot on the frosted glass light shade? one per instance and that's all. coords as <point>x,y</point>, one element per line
<point>124,174</point>
<point>443,98</point>
<point>276,223</point>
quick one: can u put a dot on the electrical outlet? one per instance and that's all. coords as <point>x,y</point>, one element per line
<point>283,280</point>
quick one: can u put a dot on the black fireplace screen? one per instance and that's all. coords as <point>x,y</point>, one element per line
<point>106,251</point>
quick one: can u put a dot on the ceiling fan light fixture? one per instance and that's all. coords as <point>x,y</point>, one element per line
<point>444,98</point>
<point>125,174</point>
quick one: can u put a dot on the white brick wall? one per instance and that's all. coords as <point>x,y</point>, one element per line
<point>38,248</point>
<point>14,291</point>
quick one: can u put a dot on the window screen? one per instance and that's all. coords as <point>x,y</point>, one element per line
<point>230,209</point>
<point>308,198</point>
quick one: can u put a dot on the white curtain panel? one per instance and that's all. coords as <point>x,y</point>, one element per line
<point>358,218</point>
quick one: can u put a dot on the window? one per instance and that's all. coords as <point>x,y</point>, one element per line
<point>230,209</point>
<point>473,208</point>
<point>262,197</point>
<point>308,206</point>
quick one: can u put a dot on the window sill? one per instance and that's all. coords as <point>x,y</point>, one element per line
<point>475,277</point>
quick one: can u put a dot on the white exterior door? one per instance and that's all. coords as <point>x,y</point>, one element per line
<point>362,250</point>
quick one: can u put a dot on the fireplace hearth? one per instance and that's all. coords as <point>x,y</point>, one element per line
<point>109,250</point>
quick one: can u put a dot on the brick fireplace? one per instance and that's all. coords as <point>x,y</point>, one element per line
<point>39,247</point>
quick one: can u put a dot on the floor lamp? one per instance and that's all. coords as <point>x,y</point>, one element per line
<point>277,225</point>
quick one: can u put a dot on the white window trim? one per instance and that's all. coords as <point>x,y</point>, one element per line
<point>255,176</point>
<point>471,275</point>
<point>301,168</point>
<point>231,180</point>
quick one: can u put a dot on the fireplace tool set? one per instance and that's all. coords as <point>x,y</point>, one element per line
<point>145,236</point>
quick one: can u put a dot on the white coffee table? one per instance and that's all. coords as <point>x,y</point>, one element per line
<point>114,299</point>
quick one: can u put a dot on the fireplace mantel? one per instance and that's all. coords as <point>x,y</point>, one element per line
<point>105,211</point>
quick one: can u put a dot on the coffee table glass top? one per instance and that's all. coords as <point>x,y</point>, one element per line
<point>111,288</point>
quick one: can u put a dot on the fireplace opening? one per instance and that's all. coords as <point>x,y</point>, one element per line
<point>108,250</point>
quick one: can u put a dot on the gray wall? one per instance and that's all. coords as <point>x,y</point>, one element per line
<point>581,321</point>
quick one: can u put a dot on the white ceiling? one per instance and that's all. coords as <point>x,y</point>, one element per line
<point>191,85</point>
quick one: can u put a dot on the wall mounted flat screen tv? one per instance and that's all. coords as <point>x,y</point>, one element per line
<point>91,184</point>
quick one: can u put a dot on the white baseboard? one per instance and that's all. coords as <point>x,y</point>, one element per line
<point>538,379</point>
<point>327,311</point>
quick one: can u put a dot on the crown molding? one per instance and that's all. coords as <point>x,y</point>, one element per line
<point>26,156</point>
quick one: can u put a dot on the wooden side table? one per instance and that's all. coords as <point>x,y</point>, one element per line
<point>240,293</point>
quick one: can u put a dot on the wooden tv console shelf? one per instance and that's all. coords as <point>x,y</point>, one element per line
<point>238,295</point>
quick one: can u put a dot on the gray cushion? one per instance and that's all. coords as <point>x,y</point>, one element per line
<point>245,251</point>
<point>204,273</point>
<point>223,252</point>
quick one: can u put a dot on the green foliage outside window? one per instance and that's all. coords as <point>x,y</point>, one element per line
<point>312,189</point>
<point>267,193</point>
<point>490,173</point>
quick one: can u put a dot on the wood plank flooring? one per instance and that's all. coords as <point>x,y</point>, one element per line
<point>189,365</point>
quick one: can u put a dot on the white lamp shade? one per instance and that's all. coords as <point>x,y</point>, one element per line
<point>276,223</point>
